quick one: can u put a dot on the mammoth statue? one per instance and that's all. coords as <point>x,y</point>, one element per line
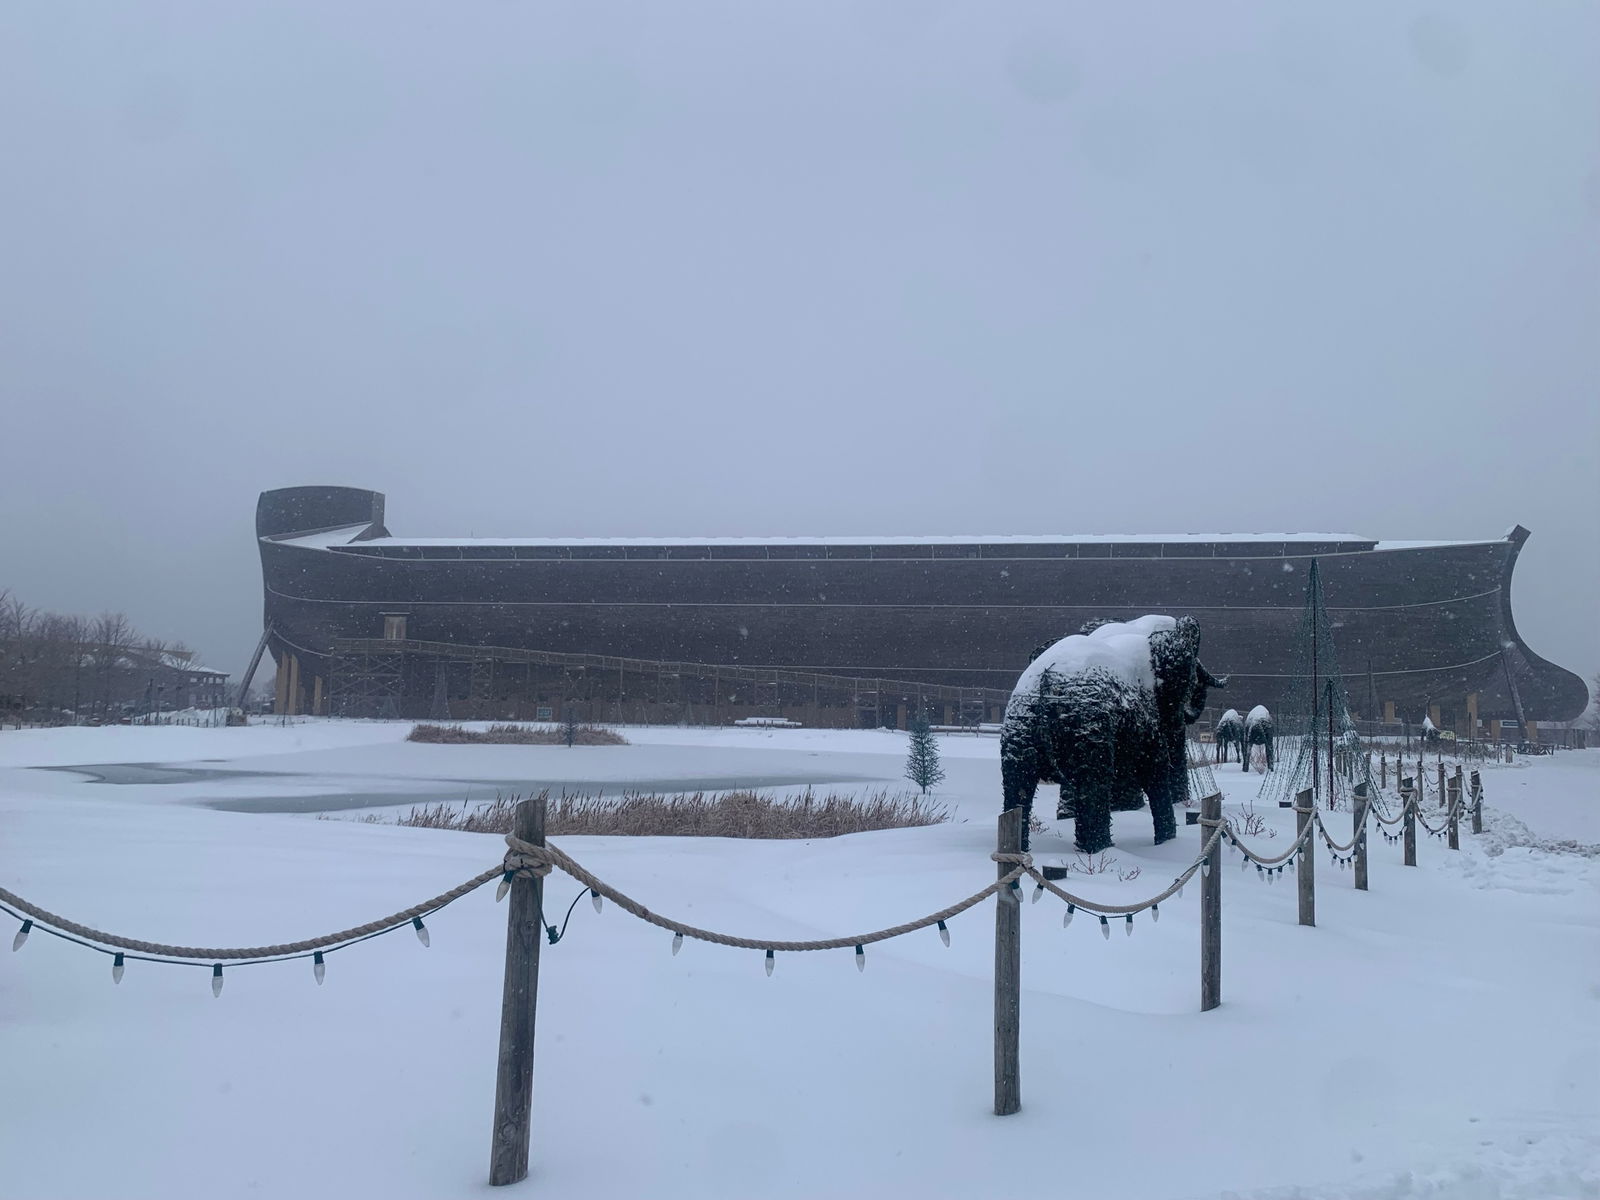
<point>1258,732</point>
<point>1103,715</point>
<point>1229,735</point>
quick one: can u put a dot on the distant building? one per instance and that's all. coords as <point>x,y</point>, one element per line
<point>364,622</point>
<point>169,679</point>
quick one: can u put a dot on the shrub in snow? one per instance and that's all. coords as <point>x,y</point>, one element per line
<point>1247,822</point>
<point>517,735</point>
<point>1102,714</point>
<point>1100,864</point>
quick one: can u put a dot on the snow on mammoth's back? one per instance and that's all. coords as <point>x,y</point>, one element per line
<point>1120,648</point>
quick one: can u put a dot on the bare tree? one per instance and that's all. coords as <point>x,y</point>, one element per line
<point>111,637</point>
<point>16,638</point>
<point>56,667</point>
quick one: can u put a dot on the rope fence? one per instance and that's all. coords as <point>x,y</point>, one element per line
<point>1452,814</point>
<point>1286,858</point>
<point>1103,910</point>
<point>529,860</point>
<point>207,955</point>
<point>1334,847</point>
<point>524,859</point>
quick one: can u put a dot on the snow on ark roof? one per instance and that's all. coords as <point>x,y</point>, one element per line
<point>345,534</point>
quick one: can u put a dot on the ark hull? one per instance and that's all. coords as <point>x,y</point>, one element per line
<point>1421,625</point>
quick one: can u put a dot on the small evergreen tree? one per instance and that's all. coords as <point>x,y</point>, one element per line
<point>569,728</point>
<point>922,759</point>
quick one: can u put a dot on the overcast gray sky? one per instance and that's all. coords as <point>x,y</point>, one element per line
<point>888,267</point>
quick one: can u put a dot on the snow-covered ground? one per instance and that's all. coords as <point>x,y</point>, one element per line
<point>1435,1037</point>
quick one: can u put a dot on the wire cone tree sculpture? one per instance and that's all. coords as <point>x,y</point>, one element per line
<point>1202,782</point>
<point>1318,744</point>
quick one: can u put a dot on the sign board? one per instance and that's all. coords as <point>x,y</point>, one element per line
<point>544,713</point>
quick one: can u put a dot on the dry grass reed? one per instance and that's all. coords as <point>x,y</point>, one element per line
<point>514,735</point>
<point>737,814</point>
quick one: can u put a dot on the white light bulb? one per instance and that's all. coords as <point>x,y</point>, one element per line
<point>1205,868</point>
<point>1105,928</point>
<point>595,896</point>
<point>1155,914</point>
<point>769,962</point>
<point>422,930</point>
<point>1127,926</point>
<point>1038,890</point>
<point>505,886</point>
<point>944,933</point>
<point>677,943</point>
<point>22,936</point>
<point>216,980</point>
<point>861,958</point>
<point>318,968</point>
<point>116,969</point>
<point>1066,917</point>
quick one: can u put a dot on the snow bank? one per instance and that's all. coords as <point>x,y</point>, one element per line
<point>1429,1038</point>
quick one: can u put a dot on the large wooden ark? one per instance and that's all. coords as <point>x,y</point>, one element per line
<point>844,631</point>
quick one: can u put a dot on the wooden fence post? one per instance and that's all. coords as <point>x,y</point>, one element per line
<point>1008,973</point>
<point>1306,867</point>
<point>1441,784</point>
<point>513,1085</point>
<point>1477,803</point>
<point>1211,907</point>
<point>1383,770</point>
<point>1359,810</point>
<point>1455,814</point>
<point>1408,797</point>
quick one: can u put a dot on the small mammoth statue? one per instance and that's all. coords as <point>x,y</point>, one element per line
<point>1258,732</point>
<point>1229,735</point>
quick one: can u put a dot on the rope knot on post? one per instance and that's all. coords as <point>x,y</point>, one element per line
<point>1020,858</point>
<point>524,860</point>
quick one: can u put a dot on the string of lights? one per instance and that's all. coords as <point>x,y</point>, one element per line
<point>120,958</point>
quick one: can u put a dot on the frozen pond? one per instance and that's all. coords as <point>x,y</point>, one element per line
<point>382,792</point>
